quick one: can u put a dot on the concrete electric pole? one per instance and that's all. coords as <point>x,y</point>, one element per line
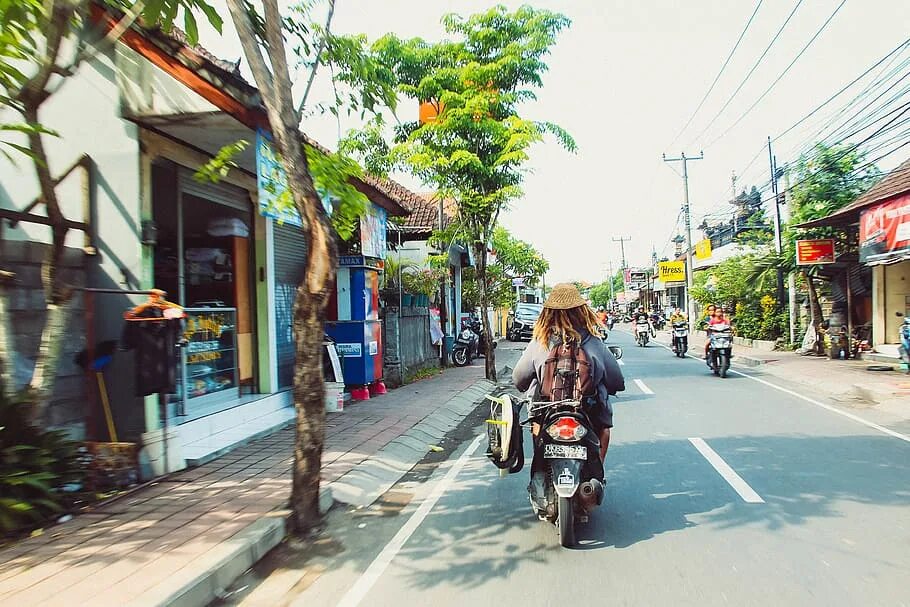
<point>622,247</point>
<point>690,307</point>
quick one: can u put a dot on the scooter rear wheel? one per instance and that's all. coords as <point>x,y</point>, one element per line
<point>566,522</point>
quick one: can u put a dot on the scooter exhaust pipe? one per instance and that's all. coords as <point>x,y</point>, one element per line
<point>592,494</point>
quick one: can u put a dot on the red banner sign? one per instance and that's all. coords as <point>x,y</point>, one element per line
<point>814,252</point>
<point>884,231</point>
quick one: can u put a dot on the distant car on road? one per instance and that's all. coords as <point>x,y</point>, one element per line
<point>521,321</point>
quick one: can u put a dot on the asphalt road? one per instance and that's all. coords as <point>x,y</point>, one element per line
<point>719,491</point>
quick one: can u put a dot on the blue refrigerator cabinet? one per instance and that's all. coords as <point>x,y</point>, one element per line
<point>359,343</point>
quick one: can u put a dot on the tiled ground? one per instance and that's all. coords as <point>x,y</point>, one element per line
<point>114,554</point>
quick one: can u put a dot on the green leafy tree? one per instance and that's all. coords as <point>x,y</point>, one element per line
<point>826,179</point>
<point>514,258</point>
<point>476,150</point>
<point>361,84</point>
<point>42,44</point>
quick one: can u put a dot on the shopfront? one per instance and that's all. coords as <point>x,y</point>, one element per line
<point>884,235</point>
<point>204,259</point>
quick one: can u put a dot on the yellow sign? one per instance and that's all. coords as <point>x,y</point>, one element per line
<point>703,249</point>
<point>672,271</point>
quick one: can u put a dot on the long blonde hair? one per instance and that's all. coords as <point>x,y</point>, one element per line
<point>561,324</point>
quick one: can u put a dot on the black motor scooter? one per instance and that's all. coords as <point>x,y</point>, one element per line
<point>469,344</point>
<point>567,474</point>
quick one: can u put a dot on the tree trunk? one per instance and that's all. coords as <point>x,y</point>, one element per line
<point>7,370</point>
<point>321,262</point>
<point>815,312</point>
<point>815,307</point>
<point>56,294</point>
<point>309,393</point>
<point>480,253</point>
<point>41,387</point>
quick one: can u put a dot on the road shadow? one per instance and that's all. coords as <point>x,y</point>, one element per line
<point>477,532</point>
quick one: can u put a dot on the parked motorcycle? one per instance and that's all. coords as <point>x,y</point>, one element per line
<point>642,332</point>
<point>680,338</point>
<point>904,348</point>
<point>720,349</point>
<point>468,344</point>
<point>567,472</point>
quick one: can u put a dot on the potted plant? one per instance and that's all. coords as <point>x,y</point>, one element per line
<point>424,283</point>
<point>390,280</point>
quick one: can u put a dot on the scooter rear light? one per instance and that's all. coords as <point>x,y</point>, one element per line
<point>566,429</point>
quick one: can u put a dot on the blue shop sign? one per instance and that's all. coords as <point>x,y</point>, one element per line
<point>272,182</point>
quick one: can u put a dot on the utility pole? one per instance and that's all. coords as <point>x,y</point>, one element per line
<point>690,307</point>
<point>777,236</point>
<point>733,202</point>
<point>791,280</point>
<point>622,247</point>
<point>610,279</point>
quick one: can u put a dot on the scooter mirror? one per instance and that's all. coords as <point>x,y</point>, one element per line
<point>617,351</point>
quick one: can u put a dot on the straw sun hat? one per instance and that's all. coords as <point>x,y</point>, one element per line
<point>564,296</point>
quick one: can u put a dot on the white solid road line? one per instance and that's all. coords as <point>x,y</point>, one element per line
<point>855,418</point>
<point>733,479</point>
<point>641,386</point>
<point>365,582</point>
<point>811,401</point>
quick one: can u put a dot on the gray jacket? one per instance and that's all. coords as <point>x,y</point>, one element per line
<point>607,374</point>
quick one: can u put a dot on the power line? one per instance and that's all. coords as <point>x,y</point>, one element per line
<point>782,74</point>
<point>751,71</point>
<point>841,91</point>
<point>717,77</point>
<point>851,120</point>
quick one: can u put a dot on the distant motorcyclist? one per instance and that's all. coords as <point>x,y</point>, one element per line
<point>717,319</point>
<point>905,342</point>
<point>678,316</point>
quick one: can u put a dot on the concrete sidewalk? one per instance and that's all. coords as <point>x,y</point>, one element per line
<point>182,540</point>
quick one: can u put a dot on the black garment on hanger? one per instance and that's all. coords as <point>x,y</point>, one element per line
<point>155,342</point>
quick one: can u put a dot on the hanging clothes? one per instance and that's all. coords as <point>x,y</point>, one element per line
<point>155,337</point>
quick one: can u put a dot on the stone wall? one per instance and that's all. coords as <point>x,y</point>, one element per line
<point>27,312</point>
<point>412,327</point>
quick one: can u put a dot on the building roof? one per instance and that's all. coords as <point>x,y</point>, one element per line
<point>220,83</point>
<point>425,213</point>
<point>893,184</point>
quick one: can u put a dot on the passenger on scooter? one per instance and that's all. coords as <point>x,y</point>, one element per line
<point>717,319</point>
<point>566,317</point>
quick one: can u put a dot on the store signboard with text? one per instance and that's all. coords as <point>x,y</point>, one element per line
<point>814,252</point>
<point>272,183</point>
<point>703,249</point>
<point>672,271</point>
<point>884,232</point>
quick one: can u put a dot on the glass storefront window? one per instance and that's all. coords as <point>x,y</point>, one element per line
<point>209,371</point>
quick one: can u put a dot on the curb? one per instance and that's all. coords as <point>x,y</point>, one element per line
<point>217,569</point>
<point>377,474</point>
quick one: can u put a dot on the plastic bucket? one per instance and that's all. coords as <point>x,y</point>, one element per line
<point>334,397</point>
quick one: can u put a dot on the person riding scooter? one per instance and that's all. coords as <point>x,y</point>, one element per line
<point>567,318</point>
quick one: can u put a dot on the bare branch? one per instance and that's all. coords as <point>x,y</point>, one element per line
<point>261,73</point>
<point>277,57</point>
<point>319,49</point>
<point>33,92</point>
<point>130,14</point>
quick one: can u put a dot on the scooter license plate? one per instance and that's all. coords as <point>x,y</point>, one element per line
<point>553,451</point>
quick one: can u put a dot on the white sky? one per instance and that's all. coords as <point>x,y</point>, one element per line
<point>623,80</point>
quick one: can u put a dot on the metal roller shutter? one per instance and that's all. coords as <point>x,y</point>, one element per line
<point>222,193</point>
<point>290,260</point>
